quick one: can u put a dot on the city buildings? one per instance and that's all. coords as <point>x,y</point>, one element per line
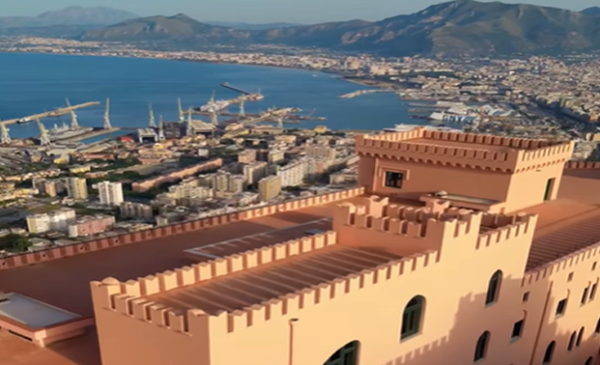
<point>136,211</point>
<point>110,193</point>
<point>269,188</point>
<point>254,171</point>
<point>77,188</point>
<point>53,221</point>
<point>90,225</point>
<point>292,174</point>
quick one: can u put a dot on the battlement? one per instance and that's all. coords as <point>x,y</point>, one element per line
<point>582,165</point>
<point>562,264</point>
<point>134,298</point>
<point>466,150</point>
<point>376,214</point>
<point>500,228</point>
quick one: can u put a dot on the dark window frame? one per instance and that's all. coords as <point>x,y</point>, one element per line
<point>517,331</point>
<point>412,317</point>
<point>561,307</point>
<point>493,291</point>
<point>481,346</point>
<point>394,179</point>
<point>549,354</point>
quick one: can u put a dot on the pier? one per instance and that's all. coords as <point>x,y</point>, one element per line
<point>55,113</point>
<point>363,92</point>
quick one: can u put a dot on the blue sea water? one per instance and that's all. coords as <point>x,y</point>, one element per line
<point>32,83</point>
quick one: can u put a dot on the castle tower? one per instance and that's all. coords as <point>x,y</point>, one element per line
<point>44,137</point>
<point>151,122</point>
<point>107,124</point>
<point>4,136</point>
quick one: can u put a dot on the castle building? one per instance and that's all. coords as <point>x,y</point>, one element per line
<point>456,249</point>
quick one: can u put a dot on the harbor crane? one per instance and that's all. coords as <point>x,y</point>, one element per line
<point>74,123</point>
<point>4,136</point>
<point>44,136</point>
<point>245,96</point>
<point>161,132</point>
<point>151,122</point>
<point>180,110</point>
<point>107,124</point>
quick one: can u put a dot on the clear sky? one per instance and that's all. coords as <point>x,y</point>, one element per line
<point>259,11</point>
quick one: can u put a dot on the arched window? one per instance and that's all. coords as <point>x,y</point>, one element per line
<point>597,330</point>
<point>481,346</point>
<point>580,337</point>
<point>493,288</point>
<point>572,341</point>
<point>347,355</point>
<point>412,317</point>
<point>589,361</point>
<point>549,353</point>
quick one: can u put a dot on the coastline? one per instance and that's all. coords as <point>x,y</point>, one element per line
<point>337,74</point>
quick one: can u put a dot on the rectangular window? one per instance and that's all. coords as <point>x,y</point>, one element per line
<point>593,291</point>
<point>561,307</point>
<point>393,179</point>
<point>584,296</point>
<point>525,297</point>
<point>517,329</point>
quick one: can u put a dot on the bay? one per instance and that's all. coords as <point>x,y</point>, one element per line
<point>33,83</point>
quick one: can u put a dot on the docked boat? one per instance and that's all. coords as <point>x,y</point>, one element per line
<point>64,132</point>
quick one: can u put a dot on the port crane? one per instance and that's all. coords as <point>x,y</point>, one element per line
<point>107,124</point>
<point>44,136</point>
<point>245,96</point>
<point>4,136</point>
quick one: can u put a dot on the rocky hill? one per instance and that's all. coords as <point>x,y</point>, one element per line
<point>594,10</point>
<point>457,27</point>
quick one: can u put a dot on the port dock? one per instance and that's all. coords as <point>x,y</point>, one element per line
<point>55,113</point>
<point>95,133</point>
<point>363,92</point>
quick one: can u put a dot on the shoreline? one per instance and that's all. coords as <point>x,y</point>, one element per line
<point>337,75</point>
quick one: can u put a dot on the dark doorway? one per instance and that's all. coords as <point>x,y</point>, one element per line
<point>548,192</point>
<point>347,355</point>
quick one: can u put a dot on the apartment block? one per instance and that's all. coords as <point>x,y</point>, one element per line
<point>269,188</point>
<point>136,211</point>
<point>247,156</point>
<point>110,193</point>
<point>254,171</point>
<point>90,225</point>
<point>77,188</point>
<point>292,174</point>
<point>55,221</point>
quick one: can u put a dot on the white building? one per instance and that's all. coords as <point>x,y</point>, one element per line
<point>292,174</point>
<point>56,221</point>
<point>111,193</point>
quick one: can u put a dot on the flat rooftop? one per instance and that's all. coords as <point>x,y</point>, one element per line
<point>569,223</point>
<point>257,285</point>
<point>32,313</point>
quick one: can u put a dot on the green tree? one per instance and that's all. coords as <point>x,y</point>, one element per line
<point>14,243</point>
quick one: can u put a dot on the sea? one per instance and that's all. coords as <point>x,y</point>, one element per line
<point>34,83</point>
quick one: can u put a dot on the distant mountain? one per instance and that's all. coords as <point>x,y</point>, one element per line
<point>594,10</point>
<point>248,26</point>
<point>74,15</point>
<point>456,27</point>
<point>180,29</point>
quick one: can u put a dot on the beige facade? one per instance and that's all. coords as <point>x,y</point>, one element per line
<point>269,188</point>
<point>77,188</point>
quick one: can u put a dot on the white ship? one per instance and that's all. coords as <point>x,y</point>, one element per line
<point>64,132</point>
<point>215,106</point>
<point>410,127</point>
<point>453,118</point>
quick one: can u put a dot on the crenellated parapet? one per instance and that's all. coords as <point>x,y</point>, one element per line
<point>565,263</point>
<point>500,228</point>
<point>582,165</point>
<point>465,150</point>
<point>378,215</point>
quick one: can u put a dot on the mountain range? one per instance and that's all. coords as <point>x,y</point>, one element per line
<point>67,22</point>
<point>456,27</point>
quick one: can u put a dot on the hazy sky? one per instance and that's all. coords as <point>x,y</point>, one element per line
<point>259,11</point>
